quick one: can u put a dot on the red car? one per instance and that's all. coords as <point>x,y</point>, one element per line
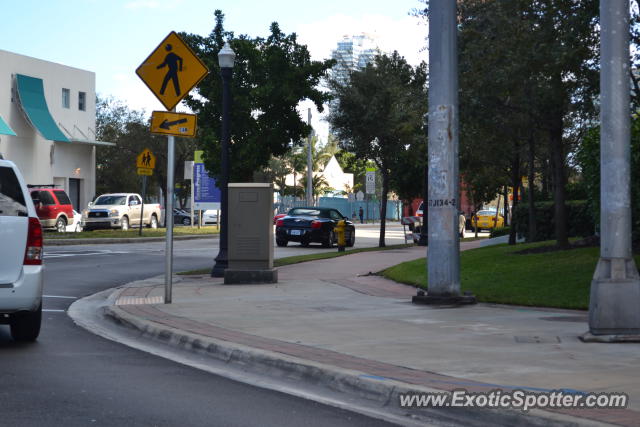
<point>53,207</point>
<point>277,217</point>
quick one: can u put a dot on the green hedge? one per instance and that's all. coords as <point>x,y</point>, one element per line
<point>500,231</point>
<point>579,220</point>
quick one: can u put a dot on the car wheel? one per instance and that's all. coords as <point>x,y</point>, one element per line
<point>304,243</point>
<point>186,221</point>
<point>61,225</point>
<point>124,223</point>
<point>154,222</point>
<point>352,239</point>
<point>281,242</point>
<point>26,326</point>
<point>328,243</point>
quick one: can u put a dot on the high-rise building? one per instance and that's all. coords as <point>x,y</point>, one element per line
<point>352,53</point>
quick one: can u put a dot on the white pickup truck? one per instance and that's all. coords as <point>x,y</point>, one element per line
<point>120,210</point>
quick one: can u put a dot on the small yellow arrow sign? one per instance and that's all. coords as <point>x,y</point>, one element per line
<point>172,70</point>
<point>146,160</point>
<point>178,124</point>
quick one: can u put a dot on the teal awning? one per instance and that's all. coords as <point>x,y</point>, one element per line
<point>5,129</point>
<point>34,105</point>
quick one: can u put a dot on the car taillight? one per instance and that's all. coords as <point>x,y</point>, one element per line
<point>279,223</point>
<point>316,224</point>
<point>419,213</point>
<point>33,252</point>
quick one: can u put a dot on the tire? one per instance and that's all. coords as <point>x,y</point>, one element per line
<point>61,224</point>
<point>26,326</point>
<point>305,243</point>
<point>186,221</point>
<point>328,243</point>
<point>154,222</point>
<point>281,242</point>
<point>352,239</point>
<point>124,223</point>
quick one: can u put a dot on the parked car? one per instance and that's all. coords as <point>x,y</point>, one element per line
<point>461,220</point>
<point>307,225</point>
<point>486,219</point>
<point>210,217</point>
<point>76,227</point>
<point>53,207</point>
<point>277,217</point>
<point>120,210</point>
<point>20,256</point>
<point>183,217</point>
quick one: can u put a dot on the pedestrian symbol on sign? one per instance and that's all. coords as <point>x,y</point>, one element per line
<point>174,64</point>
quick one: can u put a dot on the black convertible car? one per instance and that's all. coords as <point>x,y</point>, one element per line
<point>307,225</point>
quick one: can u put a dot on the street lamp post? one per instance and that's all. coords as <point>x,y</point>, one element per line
<point>226,56</point>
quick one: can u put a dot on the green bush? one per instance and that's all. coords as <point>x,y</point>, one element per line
<point>579,220</point>
<point>500,231</point>
<point>588,158</point>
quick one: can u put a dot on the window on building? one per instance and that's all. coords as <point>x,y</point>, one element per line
<point>66,98</point>
<point>82,101</point>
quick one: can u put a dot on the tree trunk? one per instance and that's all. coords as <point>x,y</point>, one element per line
<point>558,174</point>
<point>515,183</point>
<point>383,205</point>
<point>531,201</point>
<point>505,207</point>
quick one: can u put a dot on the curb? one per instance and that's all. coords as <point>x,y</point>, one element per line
<point>384,392</point>
<point>107,240</point>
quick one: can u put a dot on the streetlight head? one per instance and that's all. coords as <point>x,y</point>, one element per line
<point>226,56</point>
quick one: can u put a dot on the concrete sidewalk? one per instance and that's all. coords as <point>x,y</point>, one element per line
<point>333,323</point>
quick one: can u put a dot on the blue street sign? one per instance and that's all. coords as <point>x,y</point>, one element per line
<point>206,194</point>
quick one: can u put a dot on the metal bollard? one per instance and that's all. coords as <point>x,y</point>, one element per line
<point>339,230</point>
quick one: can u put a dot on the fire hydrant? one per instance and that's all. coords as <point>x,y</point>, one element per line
<point>339,230</point>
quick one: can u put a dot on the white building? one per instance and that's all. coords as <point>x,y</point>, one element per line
<point>48,122</point>
<point>332,173</point>
<point>352,53</point>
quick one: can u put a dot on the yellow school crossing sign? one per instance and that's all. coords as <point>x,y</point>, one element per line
<point>146,162</point>
<point>172,70</point>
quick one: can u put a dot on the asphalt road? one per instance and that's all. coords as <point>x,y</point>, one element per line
<point>71,377</point>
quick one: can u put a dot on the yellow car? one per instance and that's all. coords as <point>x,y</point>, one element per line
<point>487,220</point>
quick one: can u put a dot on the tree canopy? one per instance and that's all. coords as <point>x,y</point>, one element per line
<point>378,116</point>
<point>270,77</point>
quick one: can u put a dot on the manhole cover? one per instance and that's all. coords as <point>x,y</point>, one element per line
<point>535,339</point>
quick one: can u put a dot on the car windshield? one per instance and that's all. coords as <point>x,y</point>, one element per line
<point>111,200</point>
<point>487,213</point>
<point>305,212</point>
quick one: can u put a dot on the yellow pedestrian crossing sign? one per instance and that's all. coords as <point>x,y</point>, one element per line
<point>146,159</point>
<point>172,70</point>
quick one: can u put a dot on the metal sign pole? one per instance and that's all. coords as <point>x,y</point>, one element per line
<point>309,164</point>
<point>168,275</point>
<point>144,192</point>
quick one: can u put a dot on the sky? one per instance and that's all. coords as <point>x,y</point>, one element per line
<point>113,37</point>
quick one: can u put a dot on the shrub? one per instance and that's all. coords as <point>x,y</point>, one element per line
<point>500,231</point>
<point>579,218</point>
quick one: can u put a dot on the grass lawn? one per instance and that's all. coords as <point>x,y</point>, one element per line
<point>132,233</point>
<point>310,257</point>
<point>496,274</point>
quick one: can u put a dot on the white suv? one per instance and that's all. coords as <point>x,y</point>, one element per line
<point>20,256</point>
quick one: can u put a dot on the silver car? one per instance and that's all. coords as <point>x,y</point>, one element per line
<point>21,268</point>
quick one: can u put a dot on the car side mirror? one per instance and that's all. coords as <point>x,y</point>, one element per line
<point>90,204</point>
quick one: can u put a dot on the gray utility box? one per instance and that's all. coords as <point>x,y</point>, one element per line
<point>250,249</point>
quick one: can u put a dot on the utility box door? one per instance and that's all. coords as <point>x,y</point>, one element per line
<point>250,226</point>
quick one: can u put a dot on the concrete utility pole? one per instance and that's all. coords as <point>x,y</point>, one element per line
<point>443,260</point>
<point>614,307</point>
<point>309,164</point>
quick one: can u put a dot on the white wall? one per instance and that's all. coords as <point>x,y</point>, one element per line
<point>41,160</point>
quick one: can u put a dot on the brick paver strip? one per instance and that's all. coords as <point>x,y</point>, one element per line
<point>624,417</point>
